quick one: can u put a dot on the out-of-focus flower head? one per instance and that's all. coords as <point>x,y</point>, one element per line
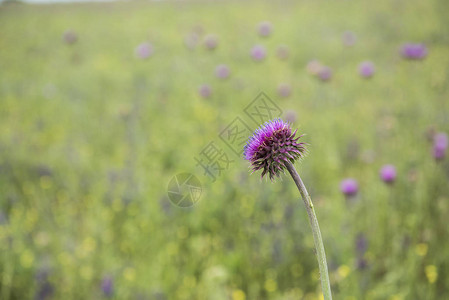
<point>290,116</point>
<point>70,37</point>
<point>222,71</point>
<point>388,173</point>
<point>349,187</point>
<point>211,41</point>
<point>313,67</point>
<point>440,145</point>
<point>366,69</point>
<point>325,73</point>
<point>258,52</point>
<point>205,91</point>
<point>264,28</point>
<point>284,90</point>
<point>414,51</point>
<point>144,50</point>
<point>107,286</point>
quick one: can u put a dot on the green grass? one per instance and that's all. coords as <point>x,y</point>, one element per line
<point>90,137</point>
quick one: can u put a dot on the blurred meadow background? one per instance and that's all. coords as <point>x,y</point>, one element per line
<point>101,104</point>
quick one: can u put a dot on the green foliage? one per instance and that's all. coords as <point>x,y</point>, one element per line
<point>90,136</point>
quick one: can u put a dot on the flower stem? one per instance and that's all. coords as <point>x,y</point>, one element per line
<point>321,256</point>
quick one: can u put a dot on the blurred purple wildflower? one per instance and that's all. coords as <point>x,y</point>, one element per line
<point>70,37</point>
<point>284,90</point>
<point>205,91</point>
<point>222,71</point>
<point>264,28</point>
<point>349,38</point>
<point>388,173</point>
<point>325,73</point>
<point>440,145</point>
<point>144,50</point>
<point>290,116</point>
<point>366,69</point>
<point>282,52</point>
<point>349,187</point>
<point>438,153</point>
<point>414,51</point>
<point>314,67</point>
<point>258,52</point>
<point>271,145</point>
<point>107,286</point>
<point>210,41</point>
<point>441,140</point>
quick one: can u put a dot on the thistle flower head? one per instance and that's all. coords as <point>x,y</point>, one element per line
<point>144,50</point>
<point>414,51</point>
<point>70,37</point>
<point>284,90</point>
<point>271,146</point>
<point>325,73</point>
<point>211,41</point>
<point>107,285</point>
<point>349,187</point>
<point>366,69</point>
<point>264,28</point>
<point>222,71</point>
<point>388,173</point>
<point>440,145</point>
<point>258,53</point>
<point>205,91</point>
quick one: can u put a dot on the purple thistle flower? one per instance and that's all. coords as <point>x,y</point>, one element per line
<point>284,90</point>
<point>264,28</point>
<point>107,286</point>
<point>441,140</point>
<point>258,52</point>
<point>205,91</point>
<point>349,38</point>
<point>349,187</point>
<point>144,50</point>
<point>222,71</point>
<point>271,146</point>
<point>274,148</point>
<point>366,69</point>
<point>70,37</point>
<point>325,73</point>
<point>210,41</point>
<point>388,173</point>
<point>282,52</point>
<point>438,153</point>
<point>414,51</point>
<point>440,145</point>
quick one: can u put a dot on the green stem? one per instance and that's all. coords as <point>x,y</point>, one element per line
<point>318,240</point>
